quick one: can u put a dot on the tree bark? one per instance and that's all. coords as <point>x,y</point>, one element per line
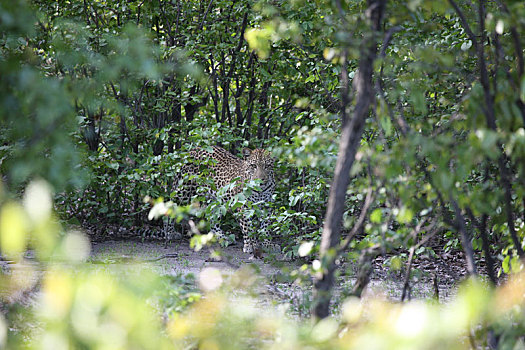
<point>466,239</point>
<point>349,144</point>
<point>490,114</point>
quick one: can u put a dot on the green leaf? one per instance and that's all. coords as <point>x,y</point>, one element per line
<point>488,139</point>
<point>375,217</point>
<point>259,40</point>
<point>515,264</point>
<point>418,100</point>
<point>386,124</point>
<point>396,263</point>
<point>466,45</point>
<point>413,4</point>
<point>505,264</point>
<point>404,215</point>
<point>311,78</point>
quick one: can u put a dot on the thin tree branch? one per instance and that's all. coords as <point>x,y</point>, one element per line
<point>387,39</point>
<point>466,240</point>
<point>205,15</point>
<point>358,226</point>
<point>465,24</point>
<point>406,283</point>
<point>516,40</point>
<point>432,231</point>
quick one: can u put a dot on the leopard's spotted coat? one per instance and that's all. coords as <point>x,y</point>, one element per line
<point>223,168</point>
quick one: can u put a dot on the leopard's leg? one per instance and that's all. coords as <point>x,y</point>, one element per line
<point>248,241</point>
<point>215,228</point>
<point>220,236</point>
<point>267,244</point>
<point>218,233</point>
<point>167,226</point>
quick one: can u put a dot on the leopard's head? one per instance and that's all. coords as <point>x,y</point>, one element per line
<point>259,164</point>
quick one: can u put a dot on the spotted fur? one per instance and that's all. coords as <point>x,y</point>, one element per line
<point>224,168</point>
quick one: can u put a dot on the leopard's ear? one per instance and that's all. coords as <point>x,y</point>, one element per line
<point>246,152</point>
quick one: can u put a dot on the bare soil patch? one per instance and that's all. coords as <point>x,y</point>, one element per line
<point>445,270</point>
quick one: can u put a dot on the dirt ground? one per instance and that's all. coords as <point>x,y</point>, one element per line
<point>177,257</point>
<point>273,284</point>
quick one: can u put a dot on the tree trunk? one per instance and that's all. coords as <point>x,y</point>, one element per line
<point>490,113</point>
<point>349,144</point>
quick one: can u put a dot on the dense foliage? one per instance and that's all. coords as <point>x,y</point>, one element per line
<point>104,100</point>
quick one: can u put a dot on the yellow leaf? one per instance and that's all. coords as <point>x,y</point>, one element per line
<point>58,294</point>
<point>259,40</point>
<point>13,229</point>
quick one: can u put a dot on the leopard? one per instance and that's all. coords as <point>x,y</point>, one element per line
<point>223,168</point>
